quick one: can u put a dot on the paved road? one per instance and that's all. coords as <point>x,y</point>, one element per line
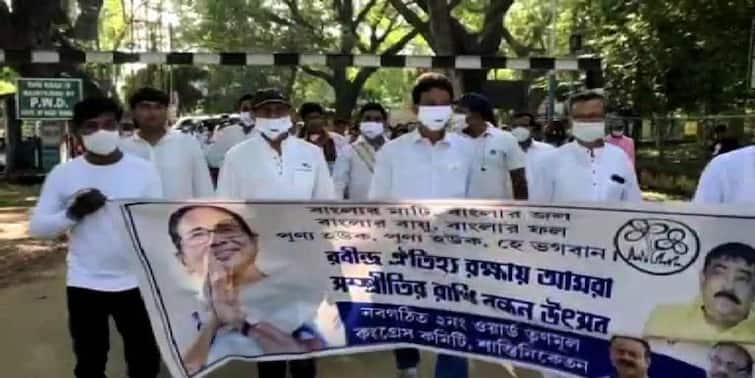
<point>35,343</point>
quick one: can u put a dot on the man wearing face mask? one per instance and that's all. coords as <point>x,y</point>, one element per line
<point>99,281</point>
<point>427,163</point>
<point>285,168</point>
<point>588,169</point>
<point>355,165</point>
<point>524,128</point>
<point>178,157</point>
<point>499,161</point>
<point>618,139</point>
<point>224,139</point>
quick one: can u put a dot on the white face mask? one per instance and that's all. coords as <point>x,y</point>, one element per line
<point>435,118</point>
<point>371,130</point>
<point>246,118</point>
<point>522,134</point>
<point>458,122</point>
<point>101,142</point>
<point>617,133</point>
<point>589,131</point>
<point>273,128</point>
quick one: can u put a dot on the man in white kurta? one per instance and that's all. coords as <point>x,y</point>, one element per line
<point>588,169</point>
<point>228,137</point>
<point>728,179</point>
<point>428,163</point>
<point>178,157</point>
<point>284,167</point>
<point>355,164</point>
<point>499,162</point>
<point>524,128</point>
<point>274,165</point>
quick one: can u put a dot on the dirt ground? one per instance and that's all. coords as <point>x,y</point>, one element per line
<point>23,259</point>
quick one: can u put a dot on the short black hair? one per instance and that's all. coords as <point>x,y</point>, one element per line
<point>148,94</point>
<point>477,103</point>
<point>308,108</point>
<point>428,81</point>
<point>373,106</point>
<point>730,251</point>
<point>93,107</point>
<point>740,349</point>
<point>645,344</point>
<point>178,215</point>
<point>525,114</point>
<point>246,97</point>
<point>584,97</point>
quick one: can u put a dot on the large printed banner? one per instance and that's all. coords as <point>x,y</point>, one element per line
<point>582,291</point>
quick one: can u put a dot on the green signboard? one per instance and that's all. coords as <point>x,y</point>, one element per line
<point>47,99</point>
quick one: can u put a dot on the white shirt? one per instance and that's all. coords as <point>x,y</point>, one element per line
<point>410,167</point>
<point>534,153</point>
<point>496,154</point>
<point>728,178</point>
<point>180,162</point>
<point>572,173</point>
<point>97,256</point>
<point>223,141</point>
<point>352,175</point>
<point>341,141</point>
<point>254,170</point>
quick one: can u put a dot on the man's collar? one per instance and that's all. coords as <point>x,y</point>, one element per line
<point>169,134</point>
<point>417,138</point>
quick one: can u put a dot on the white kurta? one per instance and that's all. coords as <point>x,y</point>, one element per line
<point>496,154</point>
<point>223,141</point>
<point>353,171</point>
<point>180,161</point>
<point>572,173</point>
<point>410,167</point>
<point>535,153</point>
<point>254,170</point>
<point>728,179</point>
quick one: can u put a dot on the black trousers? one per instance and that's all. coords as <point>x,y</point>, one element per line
<point>89,312</point>
<point>277,369</point>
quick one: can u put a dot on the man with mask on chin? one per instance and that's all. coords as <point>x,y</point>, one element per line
<point>224,139</point>
<point>524,128</point>
<point>284,168</point>
<point>427,163</point>
<point>99,280</point>
<point>587,169</point>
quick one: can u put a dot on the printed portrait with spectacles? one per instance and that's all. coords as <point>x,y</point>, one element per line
<point>209,236</point>
<point>729,360</point>
<point>218,247</point>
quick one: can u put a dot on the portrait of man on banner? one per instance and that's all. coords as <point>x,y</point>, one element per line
<point>723,311</point>
<point>729,360</point>
<point>630,357</point>
<point>243,311</point>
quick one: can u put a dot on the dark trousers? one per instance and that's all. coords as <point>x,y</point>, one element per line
<point>406,358</point>
<point>277,369</point>
<point>89,312</point>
